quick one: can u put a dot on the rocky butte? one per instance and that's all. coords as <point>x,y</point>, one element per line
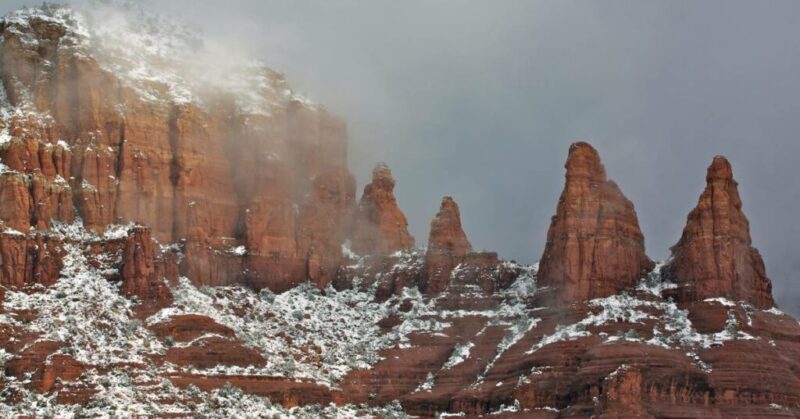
<point>174,246</point>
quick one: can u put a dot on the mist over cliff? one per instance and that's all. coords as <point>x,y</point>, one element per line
<point>474,100</point>
<point>181,232</point>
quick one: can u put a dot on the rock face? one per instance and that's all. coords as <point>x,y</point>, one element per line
<point>258,197</point>
<point>143,275</point>
<point>715,257</point>
<point>447,247</point>
<point>379,227</point>
<point>595,247</point>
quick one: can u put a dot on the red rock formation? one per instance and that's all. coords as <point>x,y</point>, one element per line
<point>379,226</point>
<point>15,201</point>
<point>447,246</point>
<point>595,247</point>
<point>48,370</point>
<point>141,275</point>
<point>624,395</point>
<point>207,352</point>
<point>186,328</point>
<point>265,200</point>
<point>715,257</point>
<point>57,369</point>
<point>34,259</point>
<point>322,226</point>
<point>84,142</point>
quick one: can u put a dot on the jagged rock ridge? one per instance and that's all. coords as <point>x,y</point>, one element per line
<point>234,296</point>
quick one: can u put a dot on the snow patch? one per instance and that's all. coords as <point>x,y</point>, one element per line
<point>459,355</point>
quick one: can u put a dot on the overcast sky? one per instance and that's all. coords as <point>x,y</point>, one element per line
<point>480,100</point>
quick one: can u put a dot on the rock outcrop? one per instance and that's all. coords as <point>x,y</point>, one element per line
<point>447,247</point>
<point>254,196</point>
<point>595,247</point>
<point>143,275</point>
<point>715,256</point>
<point>379,226</point>
<point>29,259</point>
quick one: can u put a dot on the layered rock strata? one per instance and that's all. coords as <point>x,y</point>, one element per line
<point>715,256</point>
<point>595,247</point>
<point>261,198</point>
<point>447,247</point>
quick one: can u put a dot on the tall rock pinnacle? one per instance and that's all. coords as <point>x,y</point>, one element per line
<point>714,257</point>
<point>447,246</point>
<point>379,226</point>
<point>595,247</point>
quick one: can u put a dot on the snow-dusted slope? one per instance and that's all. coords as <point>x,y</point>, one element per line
<point>161,57</point>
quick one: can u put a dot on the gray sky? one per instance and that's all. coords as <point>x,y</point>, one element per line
<point>481,99</point>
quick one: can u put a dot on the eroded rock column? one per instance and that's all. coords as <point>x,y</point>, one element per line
<point>595,247</point>
<point>715,257</point>
<point>379,227</point>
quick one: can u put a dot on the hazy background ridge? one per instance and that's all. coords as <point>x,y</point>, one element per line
<point>480,100</point>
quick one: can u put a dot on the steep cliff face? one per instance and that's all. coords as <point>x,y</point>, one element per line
<point>256,195</point>
<point>168,241</point>
<point>595,247</point>
<point>715,256</point>
<point>379,226</point>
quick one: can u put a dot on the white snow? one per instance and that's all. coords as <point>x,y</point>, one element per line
<point>775,311</point>
<point>347,252</point>
<point>672,326</point>
<point>721,300</point>
<point>88,312</point>
<point>426,385</point>
<point>459,355</point>
<point>164,59</point>
<point>653,283</point>
<point>238,250</point>
<point>514,408</point>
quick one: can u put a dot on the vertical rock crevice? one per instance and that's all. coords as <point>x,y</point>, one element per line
<point>174,169</point>
<point>119,169</point>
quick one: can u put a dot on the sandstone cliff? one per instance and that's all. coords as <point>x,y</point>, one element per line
<point>81,140</point>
